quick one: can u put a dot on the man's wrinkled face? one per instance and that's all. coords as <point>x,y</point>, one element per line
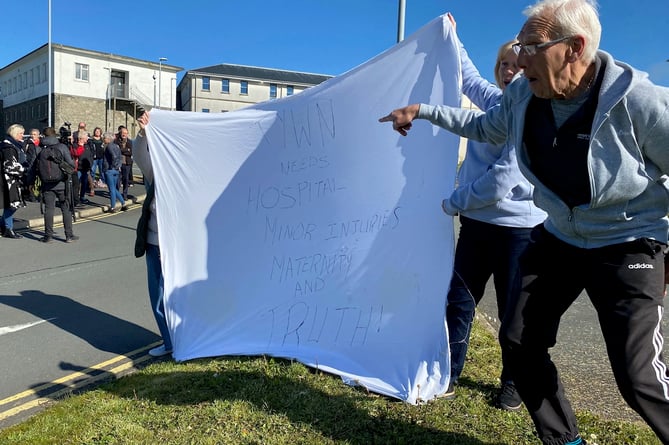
<point>546,70</point>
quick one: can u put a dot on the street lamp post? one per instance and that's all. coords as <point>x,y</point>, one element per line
<point>400,21</point>
<point>50,61</point>
<point>160,75</point>
<point>154,89</point>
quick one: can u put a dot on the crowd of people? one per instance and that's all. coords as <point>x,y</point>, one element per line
<point>96,161</point>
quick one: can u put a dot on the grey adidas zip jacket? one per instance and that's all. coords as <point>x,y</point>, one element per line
<point>628,158</point>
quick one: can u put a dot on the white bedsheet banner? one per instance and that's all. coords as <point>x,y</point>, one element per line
<point>303,228</point>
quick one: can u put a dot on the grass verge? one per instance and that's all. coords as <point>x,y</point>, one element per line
<point>262,400</point>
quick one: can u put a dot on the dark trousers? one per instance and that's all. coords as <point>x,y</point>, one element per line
<point>483,250</point>
<point>625,283</point>
<point>50,197</point>
<point>126,173</point>
<point>75,187</point>
<point>83,185</point>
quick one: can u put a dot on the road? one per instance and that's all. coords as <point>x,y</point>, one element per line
<point>71,314</point>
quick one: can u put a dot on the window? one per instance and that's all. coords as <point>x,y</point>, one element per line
<point>81,71</point>
<point>289,90</point>
<point>243,87</point>
<point>272,91</point>
<point>205,110</point>
<point>225,85</point>
<point>205,83</point>
<point>37,79</point>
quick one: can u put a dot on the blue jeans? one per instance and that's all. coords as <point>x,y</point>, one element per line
<point>97,166</point>
<point>483,250</point>
<point>154,277</point>
<point>112,186</point>
<point>8,218</point>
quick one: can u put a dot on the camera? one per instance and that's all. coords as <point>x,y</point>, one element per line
<point>65,132</point>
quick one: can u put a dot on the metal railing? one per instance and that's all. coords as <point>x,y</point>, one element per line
<point>126,92</point>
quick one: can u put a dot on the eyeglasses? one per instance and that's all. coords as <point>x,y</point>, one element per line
<point>531,50</point>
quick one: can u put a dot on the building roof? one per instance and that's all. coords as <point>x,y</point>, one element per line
<point>267,74</point>
<point>94,53</point>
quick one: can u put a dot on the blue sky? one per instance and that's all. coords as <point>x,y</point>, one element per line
<point>317,36</point>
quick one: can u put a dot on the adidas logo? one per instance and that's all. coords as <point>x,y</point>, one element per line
<point>640,266</point>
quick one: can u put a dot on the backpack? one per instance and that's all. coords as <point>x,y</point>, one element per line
<point>50,165</point>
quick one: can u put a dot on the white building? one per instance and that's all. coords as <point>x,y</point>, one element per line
<point>228,87</point>
<point>102,89</point>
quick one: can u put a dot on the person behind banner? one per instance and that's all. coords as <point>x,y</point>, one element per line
<point>147,240</point>
<point>494,202</point>
<point>53,187</point>
<point>592,135</point>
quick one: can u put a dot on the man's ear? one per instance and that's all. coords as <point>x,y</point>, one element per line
<point>576,48</point>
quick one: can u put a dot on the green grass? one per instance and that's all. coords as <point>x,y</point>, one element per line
<point>261,400</point>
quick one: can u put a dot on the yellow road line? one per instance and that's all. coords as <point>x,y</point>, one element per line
<point>43,400</point>
<point>85,372</point>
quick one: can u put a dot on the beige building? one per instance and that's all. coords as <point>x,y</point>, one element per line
<point>102,89</point>
<point>228,87</point>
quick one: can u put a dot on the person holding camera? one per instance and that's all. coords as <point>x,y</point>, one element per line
<point>53,184</point>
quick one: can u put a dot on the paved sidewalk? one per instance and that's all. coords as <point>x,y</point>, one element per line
<point>31,217</point>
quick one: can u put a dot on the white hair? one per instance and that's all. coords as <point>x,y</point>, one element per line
<point>571,17</point>
<point>15,130</point>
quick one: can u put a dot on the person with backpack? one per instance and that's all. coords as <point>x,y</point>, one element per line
<point>53,178</point>
<point>111,167</point>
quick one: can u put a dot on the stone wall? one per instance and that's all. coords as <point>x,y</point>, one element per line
<point>73,109</point>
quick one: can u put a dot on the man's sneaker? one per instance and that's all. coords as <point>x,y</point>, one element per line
<point>124,208</point>
<point>449,394</point>
<point>71,239</point>
<point>159,351</point>
<point>46,239</point>
<point>509,399</point>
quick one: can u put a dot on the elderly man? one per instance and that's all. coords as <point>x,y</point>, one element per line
<point>592,136</point>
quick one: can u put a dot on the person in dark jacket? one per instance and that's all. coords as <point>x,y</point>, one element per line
<point>12,172</point>
<point>32,148</point>
<point>55,190</point>
<point>84,167</point>
<point>111,167</point>
<point>125,145</point>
